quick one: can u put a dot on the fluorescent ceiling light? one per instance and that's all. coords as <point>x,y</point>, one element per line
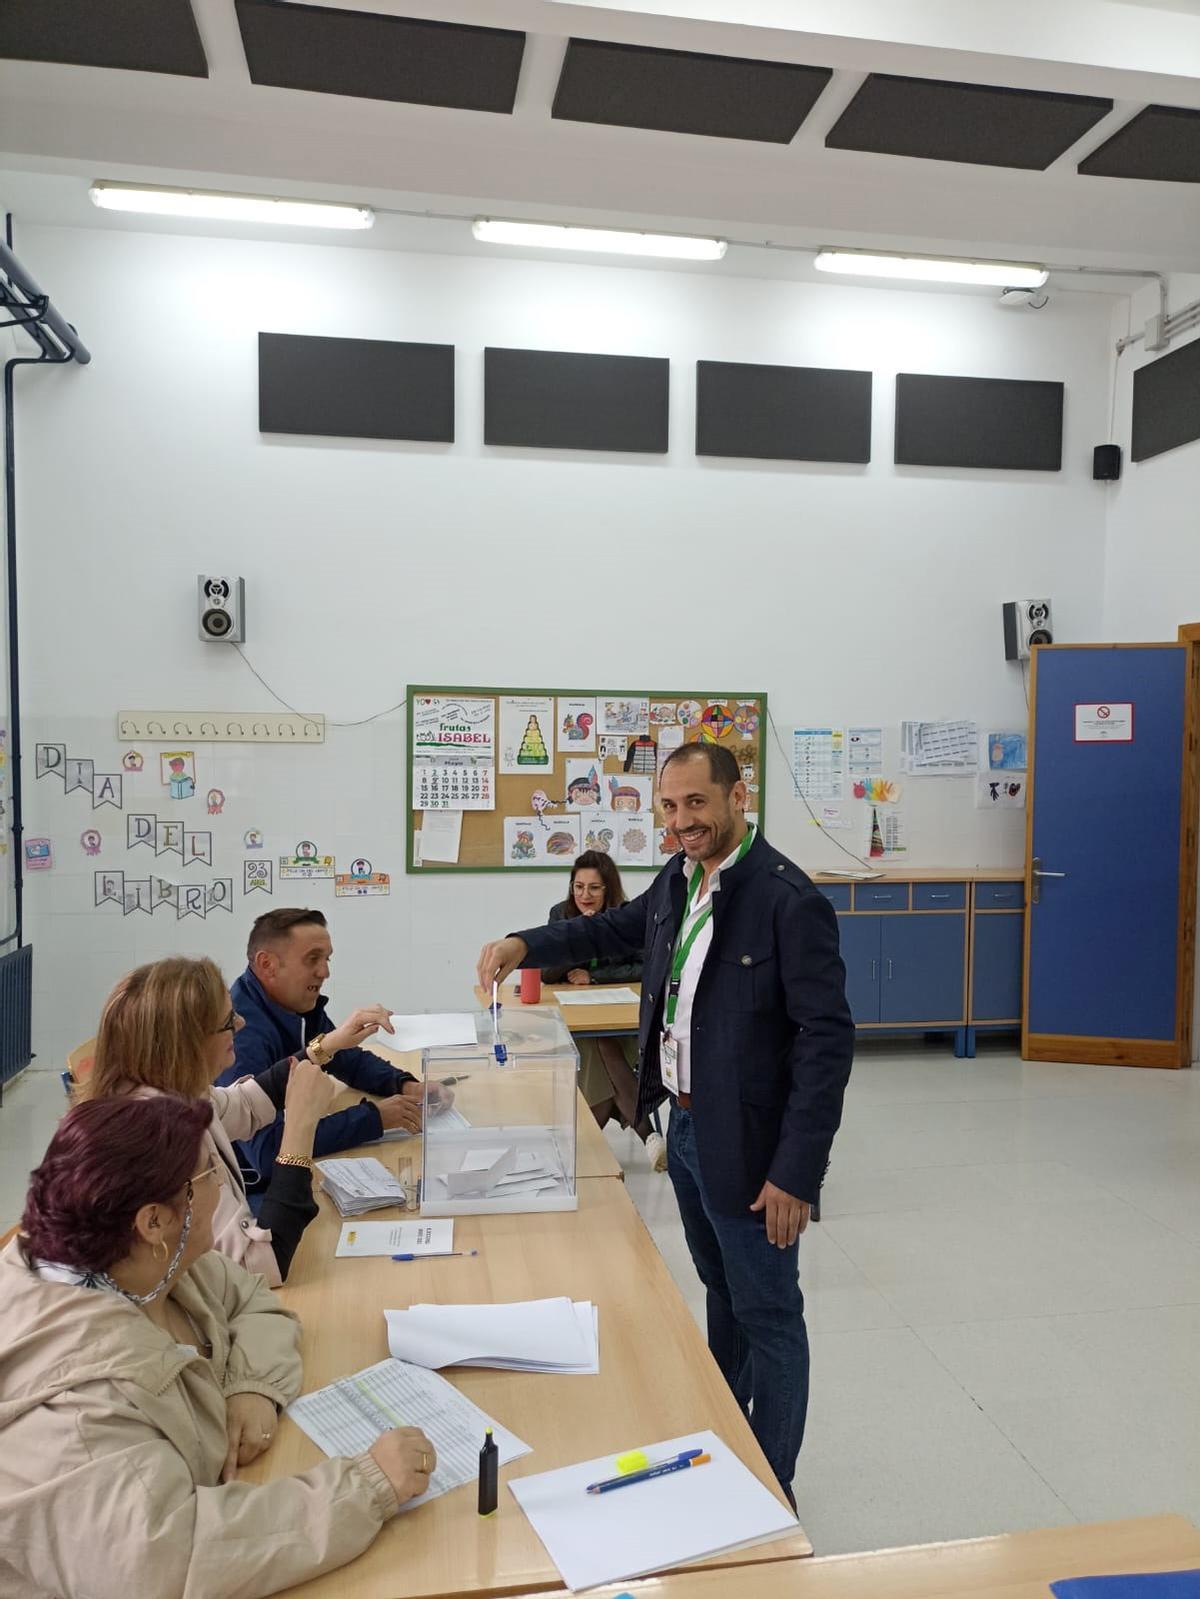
<point>933,269</point>
<point>214,206</point>
<point>606,241</point>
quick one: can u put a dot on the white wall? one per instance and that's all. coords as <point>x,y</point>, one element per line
<point>1152,568</point>
<point>848,593</point>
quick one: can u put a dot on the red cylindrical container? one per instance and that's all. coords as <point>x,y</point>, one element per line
<point>530,986</point>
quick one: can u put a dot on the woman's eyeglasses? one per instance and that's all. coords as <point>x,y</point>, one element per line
<point>231,1024</point>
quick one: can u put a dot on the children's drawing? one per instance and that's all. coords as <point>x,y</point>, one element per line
<point>878,790</point>
<point>635,844</point>
<point>669,738</point>
<point>745,718</point>
<point>688,712</point>
<point>715,723</point>
<point>662,712</point>
<point>628,716</point>
<point>577,725</point>
<point>252,838</point>
<point>39,854</point>
<point>561,842</point>
<point>362,881</point>
<point>1007,752</point>
<point>613,746</point>
<point>216,802</point>
<point>583,784</point>
<point>522,846</point>
<point>629,794</point>
<point>525,720</point>
<point>305,863</point>
<point>178,768</point>
<point>668,844</point>
<point>997,791</point>
<point>641,757</point>
<point>90,841</point>
<point>133,760</point>
<point>598,831</point>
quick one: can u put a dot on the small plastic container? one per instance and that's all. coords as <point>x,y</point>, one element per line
<point>530,986</point>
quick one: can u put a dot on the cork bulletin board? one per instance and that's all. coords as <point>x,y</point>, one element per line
<point>517,779</point>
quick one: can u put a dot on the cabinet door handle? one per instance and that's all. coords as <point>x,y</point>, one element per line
<point>879,896</point>
<point>889,971</point>
<point>872,971</point>
<point>939,896</point>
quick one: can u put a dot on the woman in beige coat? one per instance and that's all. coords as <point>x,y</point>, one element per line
<point>139,1368</point>
<point>168,1028</point>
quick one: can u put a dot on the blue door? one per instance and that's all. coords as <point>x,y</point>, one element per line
<point>860,951</point>
<point>924,968</point>
<point>1105,891</point>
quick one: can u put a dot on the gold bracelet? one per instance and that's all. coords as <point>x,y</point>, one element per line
<point>294,1160</point>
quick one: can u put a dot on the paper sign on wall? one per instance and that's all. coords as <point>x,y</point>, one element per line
<point>526,733</point>
<point>442,723</point>
<point>577,725</point>
<point>1106,723</point>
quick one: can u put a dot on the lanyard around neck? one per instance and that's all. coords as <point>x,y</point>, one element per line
<point>683,946</point>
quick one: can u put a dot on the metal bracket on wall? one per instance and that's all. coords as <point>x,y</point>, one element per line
<point>222,727</point>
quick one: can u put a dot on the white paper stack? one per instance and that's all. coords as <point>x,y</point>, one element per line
<point>554,1335</point>
<point>499,1171</point>
<point>356,1186</point>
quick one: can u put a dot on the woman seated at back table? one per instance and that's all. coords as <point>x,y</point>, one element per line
<point>607,1066</point>
<point>139,1369</point>
<point>167,1028</point>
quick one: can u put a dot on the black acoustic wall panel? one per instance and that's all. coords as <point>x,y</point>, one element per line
<point>680,91</point>
<point>557,400</point>
<point>782,413</point>
<point>982,123</point>
<point>1011,423</point>
<point>1162,142</point>
<point>355,388</point>
<point>1166,402</point>
<point>376,57</point>
<point>137,35</point>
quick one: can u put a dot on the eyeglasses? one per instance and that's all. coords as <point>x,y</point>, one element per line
<point>233,1023</point>
<point>208,1171</point>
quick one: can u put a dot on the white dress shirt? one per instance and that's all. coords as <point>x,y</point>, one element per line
<point>681,1027</point>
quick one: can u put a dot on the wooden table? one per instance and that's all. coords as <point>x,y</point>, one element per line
<point>585,1020</point>
<point>656,1381</point>
<point>1019,1565</point>
<point>593,1157</point>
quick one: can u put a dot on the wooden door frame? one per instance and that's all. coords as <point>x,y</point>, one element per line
<point>1174,1052</point>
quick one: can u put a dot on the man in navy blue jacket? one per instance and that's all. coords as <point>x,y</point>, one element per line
<point>744,1025</point>
<point>283,1012</point>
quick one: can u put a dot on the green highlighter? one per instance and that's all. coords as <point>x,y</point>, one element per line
<point>489,1475</point>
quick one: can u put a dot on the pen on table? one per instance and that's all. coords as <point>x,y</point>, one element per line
<point>437,1254</point>
<point>683,1462</point>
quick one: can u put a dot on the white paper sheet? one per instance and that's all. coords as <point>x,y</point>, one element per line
<point>553,1335</point>
<point>349,1415</point>
<point>441,835</point>
<point>595,1538</point>
<point>395,1238</point>
<point>595,996</point>
<point>431,1031</point>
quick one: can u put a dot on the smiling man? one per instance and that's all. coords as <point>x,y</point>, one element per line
<point>282,1012</point>
<point>744,1025</point>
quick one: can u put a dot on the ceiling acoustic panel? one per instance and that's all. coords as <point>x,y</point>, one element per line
<point>1014,424</point>
<point>1162,142</point>
<point>979,123</point>
<point>560,400</point>
<point>369,56</point>
<point>678,91</point>
<point>782,413</point>
<point>135,35</point>
<point>355,388</point>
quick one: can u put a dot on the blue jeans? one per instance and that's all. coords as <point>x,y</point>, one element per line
<point>755,1309</point>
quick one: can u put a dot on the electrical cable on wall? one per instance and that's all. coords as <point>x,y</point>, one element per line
<point>329,721</point>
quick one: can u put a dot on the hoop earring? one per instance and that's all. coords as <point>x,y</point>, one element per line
<point>161,1244</point>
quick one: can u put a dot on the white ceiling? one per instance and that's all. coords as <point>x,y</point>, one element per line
<point>62,126</point>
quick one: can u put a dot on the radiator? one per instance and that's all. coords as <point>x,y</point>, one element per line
<point>16,1008</point>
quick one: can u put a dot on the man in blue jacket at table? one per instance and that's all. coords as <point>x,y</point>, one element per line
<point>744,1026</point>
<point>278,998</point>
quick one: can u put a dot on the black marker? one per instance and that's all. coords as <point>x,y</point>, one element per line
<point>489,1468</point>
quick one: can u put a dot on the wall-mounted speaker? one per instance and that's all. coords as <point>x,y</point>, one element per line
<point>222,609</point>
<point>1027,623</point>
<point>1106,463</point>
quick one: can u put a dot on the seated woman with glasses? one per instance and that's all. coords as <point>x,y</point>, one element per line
<point>607,1066</point>
<point>139,1369</point>
<point>168,1028</point>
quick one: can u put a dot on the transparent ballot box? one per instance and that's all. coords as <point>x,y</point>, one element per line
<point>507,1143</point>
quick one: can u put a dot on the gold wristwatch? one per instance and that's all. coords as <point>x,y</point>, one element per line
<point>316,1051</point>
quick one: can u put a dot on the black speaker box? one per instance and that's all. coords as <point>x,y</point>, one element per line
<point>1106,463</point>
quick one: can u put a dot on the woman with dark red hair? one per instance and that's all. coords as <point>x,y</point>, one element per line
<point>139,1369</point>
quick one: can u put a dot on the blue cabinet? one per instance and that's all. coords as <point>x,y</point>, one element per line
<point>861,952</point>
<point>923,965</point>
<point>997,955</point>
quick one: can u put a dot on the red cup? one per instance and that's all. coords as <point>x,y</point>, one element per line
<point>530,986</point>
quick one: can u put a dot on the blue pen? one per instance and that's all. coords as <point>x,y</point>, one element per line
<point>437,1254</point>
<point>691,1457</point>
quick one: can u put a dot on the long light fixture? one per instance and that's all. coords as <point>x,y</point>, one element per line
<point>933,269</point>
<point>605,241</point>
<point>214,206</point>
